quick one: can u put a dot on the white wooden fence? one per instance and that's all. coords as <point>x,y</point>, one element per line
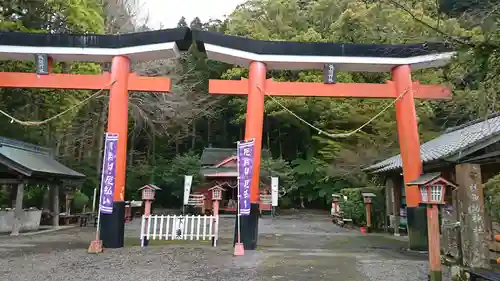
<point>160,227</point>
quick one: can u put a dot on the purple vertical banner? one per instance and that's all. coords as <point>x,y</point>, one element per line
<point>245,172</point>
<point>108,174</point>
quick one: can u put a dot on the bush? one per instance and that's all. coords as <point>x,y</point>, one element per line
<point>492,198</point>
<point>354,207</point>
<point>4,199</point>
<point>79,201</point>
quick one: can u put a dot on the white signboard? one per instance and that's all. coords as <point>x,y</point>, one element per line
<point>274,191</point>
<point>187,188</point>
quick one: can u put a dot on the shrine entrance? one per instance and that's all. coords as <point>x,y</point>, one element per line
<point>262,56</point>
<point>259,56</point>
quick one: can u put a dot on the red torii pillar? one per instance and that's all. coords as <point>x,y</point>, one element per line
<point>119,82</point>
<point>256,87</point>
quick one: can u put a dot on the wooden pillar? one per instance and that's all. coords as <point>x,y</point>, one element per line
<point>434,243</point>
<point>113,225</point>
<point>450,232</point>
<point>409,145</point>
<point>67,204</point>
<point>253,130</point>
<point>396,205</point>
<point>118,119</point>
<point>255,120</point>
<point>368,208</point>
<point>55,205</point>
<point>473,234</point>
<point>388,205</point>
<point>18,212</point>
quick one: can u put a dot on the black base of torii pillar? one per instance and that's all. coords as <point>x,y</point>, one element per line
<point>249,228</point>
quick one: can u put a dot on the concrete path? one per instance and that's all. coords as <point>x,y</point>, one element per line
<point>297,247</point>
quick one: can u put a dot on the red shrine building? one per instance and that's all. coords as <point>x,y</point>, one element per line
<point>219,168</point>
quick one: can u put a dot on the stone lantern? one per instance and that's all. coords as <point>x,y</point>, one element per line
<point>432,188</point>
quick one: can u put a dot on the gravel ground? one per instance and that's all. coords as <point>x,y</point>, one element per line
<point>299,247</point>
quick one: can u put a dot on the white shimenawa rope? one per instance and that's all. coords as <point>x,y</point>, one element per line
<point>344,135</point>
<point>38,123</point>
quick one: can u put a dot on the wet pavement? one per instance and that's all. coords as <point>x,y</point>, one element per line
<point>296,247</point>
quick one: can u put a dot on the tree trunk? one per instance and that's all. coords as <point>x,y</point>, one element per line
<point>268,133</point>
<point>193,137</point>
<point>279,142</point>
<point>130,154</point>
<point>209,130</point>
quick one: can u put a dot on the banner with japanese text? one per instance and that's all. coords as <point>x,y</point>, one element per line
<point>108,174</point>
<point>245,172</point>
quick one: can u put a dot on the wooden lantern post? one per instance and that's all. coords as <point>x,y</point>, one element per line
<point>128,211</point>
<point>216,198</point>
<point>432,189</point>
<point>148,196</point>
<point>367,198</point>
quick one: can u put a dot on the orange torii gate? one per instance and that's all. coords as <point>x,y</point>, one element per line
<point>121,51</point>
<point>261,56</point>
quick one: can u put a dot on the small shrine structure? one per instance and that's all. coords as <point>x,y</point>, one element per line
<point>219,168</point>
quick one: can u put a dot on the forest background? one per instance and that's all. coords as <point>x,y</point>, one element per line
<point>167,133</point>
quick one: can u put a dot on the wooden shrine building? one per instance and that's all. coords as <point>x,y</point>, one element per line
<point>219,167</point>
<point>468,155</point>
<point>24,164</point>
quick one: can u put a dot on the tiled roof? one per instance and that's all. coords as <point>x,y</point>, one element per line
<point>32,160</point>
<point>451,143</point>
